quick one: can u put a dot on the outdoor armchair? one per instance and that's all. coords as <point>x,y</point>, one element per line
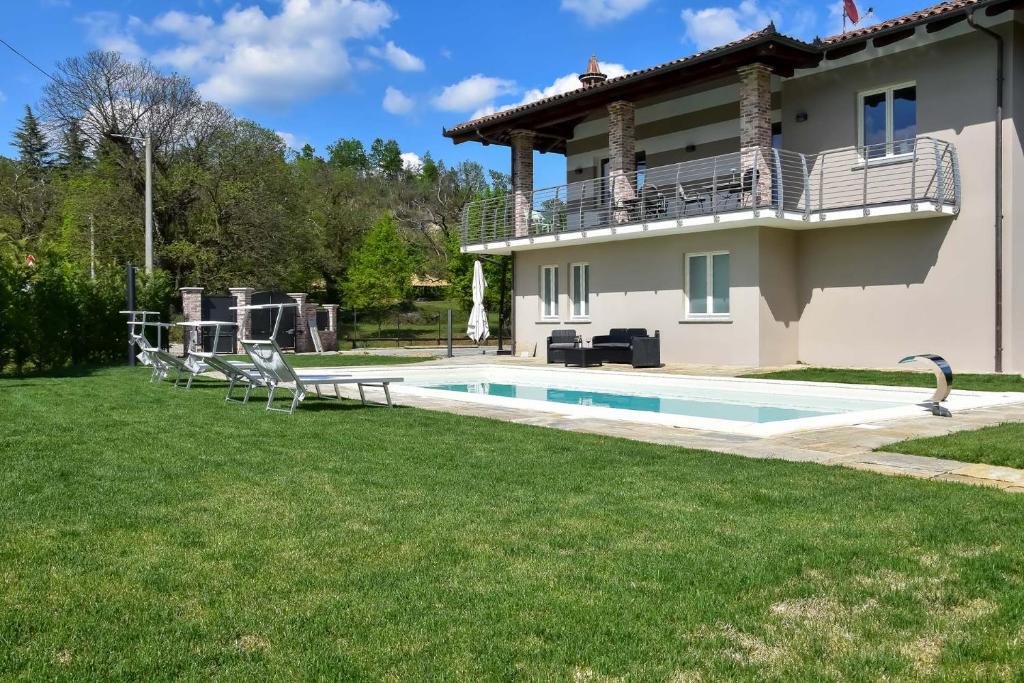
<point>559,341</point>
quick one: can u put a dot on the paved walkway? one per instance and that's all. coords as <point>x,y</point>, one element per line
<point>850,446</point>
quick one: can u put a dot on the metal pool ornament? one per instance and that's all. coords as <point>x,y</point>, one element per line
<point>943,378</point>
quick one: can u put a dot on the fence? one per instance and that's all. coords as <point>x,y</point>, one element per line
<point>418,328</point>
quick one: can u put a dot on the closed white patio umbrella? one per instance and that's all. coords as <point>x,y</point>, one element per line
<point>477,330</point>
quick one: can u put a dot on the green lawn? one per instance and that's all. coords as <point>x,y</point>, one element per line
<point>975,382</point>
<point>998,445</point>
<point>151,533</point>
<point>313,360</point>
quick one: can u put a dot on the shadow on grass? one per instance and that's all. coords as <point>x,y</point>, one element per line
<point>54,373</point>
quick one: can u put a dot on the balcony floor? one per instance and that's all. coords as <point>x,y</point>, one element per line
<point>769,218</point>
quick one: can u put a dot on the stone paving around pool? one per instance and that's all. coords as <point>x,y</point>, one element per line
<point>850,446</point>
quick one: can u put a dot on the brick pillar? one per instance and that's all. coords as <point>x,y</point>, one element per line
<point>303,343</point>
<point>756,130</point>
<point>192,310</point>
<point>621,157</point>
<point>243,297</point>
<point>522,180</point>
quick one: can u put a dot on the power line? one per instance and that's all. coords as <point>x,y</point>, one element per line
<point>36,66</point>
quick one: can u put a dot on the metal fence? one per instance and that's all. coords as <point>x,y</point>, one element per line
<point>787,184</point>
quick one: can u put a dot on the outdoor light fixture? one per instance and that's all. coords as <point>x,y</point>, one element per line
<point>691,148</point>
<point>801,116</point>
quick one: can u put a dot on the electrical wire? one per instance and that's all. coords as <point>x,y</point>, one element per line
<point>34,65</point>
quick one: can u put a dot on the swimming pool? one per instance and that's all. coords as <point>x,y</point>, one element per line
<point>722,404</point>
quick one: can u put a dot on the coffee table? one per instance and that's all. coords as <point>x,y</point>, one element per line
<point>583,356</point>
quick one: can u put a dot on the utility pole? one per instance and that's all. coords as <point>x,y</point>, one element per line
<point>148,141</point>
<point>92,249</point>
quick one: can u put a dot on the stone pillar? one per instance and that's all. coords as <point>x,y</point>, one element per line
<point>756,131</point>
<point>192,310</point>
<point>621,157</point>
<point>522,180</point>
<point>303,342</point>
<point>243,297</point>
<point>332,317</point>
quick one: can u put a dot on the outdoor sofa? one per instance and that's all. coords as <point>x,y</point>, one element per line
<point>630,345</point>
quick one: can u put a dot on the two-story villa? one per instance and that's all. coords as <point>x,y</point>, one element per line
<point>841,202</point>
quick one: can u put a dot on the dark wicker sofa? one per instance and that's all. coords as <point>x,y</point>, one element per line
<point>559,341</point>
<point>630,345</point>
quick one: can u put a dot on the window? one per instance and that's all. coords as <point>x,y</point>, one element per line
<point>579,290</point>
<point>549,292</point>
<point>641,169</point>
<point>707,285</point>
<point>888,121</point>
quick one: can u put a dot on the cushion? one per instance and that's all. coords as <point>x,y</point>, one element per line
<point>612,345</point>
<point>562,345</point>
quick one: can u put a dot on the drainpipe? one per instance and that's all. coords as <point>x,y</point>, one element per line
<point>999,184</point>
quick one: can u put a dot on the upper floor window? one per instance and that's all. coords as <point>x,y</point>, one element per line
<point>888,121</point>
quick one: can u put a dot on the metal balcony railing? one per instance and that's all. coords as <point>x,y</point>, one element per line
<point>789,185</point>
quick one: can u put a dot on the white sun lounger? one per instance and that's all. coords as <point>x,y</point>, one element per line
<point>279,374</point>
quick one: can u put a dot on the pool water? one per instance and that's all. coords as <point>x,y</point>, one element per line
<point>695,407</point>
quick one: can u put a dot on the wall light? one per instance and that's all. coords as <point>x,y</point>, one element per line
<point>801,116</point>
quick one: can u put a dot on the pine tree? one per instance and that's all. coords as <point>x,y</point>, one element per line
<point>72,154</point>
<point>33,147</point>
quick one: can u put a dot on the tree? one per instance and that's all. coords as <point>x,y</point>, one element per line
<point>380,273</point>
<point>348,153</point>
<point>72,153</point>
<point>386,158</point>
<point>33,148</point>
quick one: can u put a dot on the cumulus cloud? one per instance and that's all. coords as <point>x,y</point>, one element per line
<point>397,102</point>
<point>292,140</point>
<point>562,84</point>
<point>249,56</point>
<point>108,31</point>
<point>713,26</point>
<point>397,57</point>
<point>411,162</point>
<point>473,93</point>
<point>594,12</point>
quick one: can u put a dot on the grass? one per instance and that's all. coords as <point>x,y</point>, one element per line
<point>152,533</point>
<point>997,445</point>
<point>972,382</point>
<point>421,327</point>
<point>313,360</point>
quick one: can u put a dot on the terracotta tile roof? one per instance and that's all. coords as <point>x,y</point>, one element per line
<point>612,82</point>
<point>926,13</point>
<point>767,32</point>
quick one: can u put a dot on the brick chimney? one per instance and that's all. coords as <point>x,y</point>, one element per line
<point>593,76</point>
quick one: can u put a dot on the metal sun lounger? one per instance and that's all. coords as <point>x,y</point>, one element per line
<point>279,374</point>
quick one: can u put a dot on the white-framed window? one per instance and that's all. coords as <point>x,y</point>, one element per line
<point>579,290</point>
<point>549,292</point>
<point>887,121</point>
<point>707,285</point>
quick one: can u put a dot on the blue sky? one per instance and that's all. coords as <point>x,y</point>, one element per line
<point>317,70</point>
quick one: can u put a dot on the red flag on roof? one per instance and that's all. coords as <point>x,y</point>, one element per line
<point>850,7</point>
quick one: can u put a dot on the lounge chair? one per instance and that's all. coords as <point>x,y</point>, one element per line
<point>559,341</point>
<point>234,372</point>
<point>277,373</point>
<point>164,363</point>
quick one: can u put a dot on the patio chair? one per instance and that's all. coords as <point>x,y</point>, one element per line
<point>559,341</point>
<point>277,373</point>
<point>234,372</point>
<point>164,363</point>
<point>630,345</point>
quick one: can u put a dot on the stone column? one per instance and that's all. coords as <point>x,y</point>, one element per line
<point>522,181</point>
<point>621,157</point>
<point>756,131</point>
<point>192,310</point>
<point>303,342</point>
<point>332,317</point>
<point>243,297</point>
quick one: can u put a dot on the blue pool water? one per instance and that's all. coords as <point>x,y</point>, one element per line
<point>721,410</point>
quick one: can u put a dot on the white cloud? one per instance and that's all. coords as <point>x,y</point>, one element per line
<point>292,140</point>
<point>109,32</point>
<point>714,26</point>
<point>251,57</point>
<point>411,162</point>
<point>562,84</point>
<point>397,57</point>
<point>3,97</point>
<point>473,92</point>
<point>594,12</point>
<point>397,102</point>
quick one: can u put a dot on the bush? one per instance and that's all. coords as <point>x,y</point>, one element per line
<point>53,315</point>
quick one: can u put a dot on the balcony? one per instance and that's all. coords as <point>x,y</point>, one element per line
<point>774,188</point>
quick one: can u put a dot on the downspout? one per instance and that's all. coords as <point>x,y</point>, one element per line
<point>999,185</point>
